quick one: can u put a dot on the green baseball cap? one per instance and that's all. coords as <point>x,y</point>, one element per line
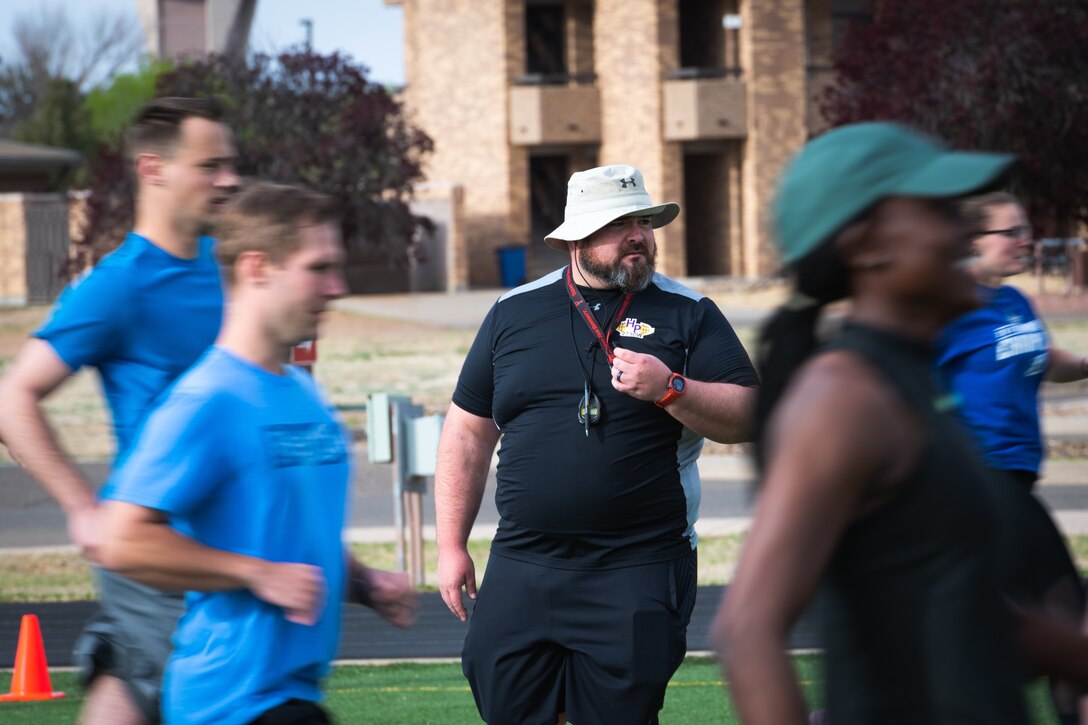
<point>840,174</point>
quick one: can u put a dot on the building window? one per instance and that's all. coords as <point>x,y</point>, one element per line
<point>709,38</point>
<point>545,48</point>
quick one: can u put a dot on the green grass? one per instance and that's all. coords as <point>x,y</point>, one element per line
<point>45,577</point>
<point>419,694</point>
<point>1078,548</point>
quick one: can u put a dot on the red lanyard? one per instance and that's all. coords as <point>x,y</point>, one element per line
<point>590,320</point>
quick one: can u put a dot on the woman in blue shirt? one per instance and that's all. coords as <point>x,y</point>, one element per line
<point>1003,347</point>
<point>994,359</point>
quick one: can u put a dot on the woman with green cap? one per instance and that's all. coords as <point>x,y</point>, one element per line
<point>868,487</point>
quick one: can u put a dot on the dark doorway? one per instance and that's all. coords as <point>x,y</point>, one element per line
<point>548,192</point>
<point>547,198</point>
<point>706,212</point>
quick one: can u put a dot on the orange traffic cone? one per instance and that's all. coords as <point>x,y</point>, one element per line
<point>31,678</point>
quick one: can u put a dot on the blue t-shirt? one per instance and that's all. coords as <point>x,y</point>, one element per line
<point>246,461</point>
<point>994,359</point>
<point>141,316</point>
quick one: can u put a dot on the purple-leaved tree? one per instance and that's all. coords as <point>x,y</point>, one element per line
<point>1009,76</point>
<point>298,117</point>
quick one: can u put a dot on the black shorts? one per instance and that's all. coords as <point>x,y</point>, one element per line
<point>130,638</point>
<point>600,645</point>
<point>1043,570</point>
<point>294,712</point>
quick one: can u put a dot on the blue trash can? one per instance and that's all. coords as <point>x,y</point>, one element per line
<point>511,265</point>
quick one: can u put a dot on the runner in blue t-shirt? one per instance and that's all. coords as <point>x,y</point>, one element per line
<point>237,487</point>
<point>994,359</point>
<point>142,316</point>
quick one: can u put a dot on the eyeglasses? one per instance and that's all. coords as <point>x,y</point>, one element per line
<point>1017,232</point>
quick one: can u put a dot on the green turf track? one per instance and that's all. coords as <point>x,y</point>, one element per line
<point>419,694</point>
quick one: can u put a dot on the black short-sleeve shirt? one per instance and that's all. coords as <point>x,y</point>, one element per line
<point>629,491</point>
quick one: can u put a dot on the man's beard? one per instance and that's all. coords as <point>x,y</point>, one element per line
<point>633,277</point>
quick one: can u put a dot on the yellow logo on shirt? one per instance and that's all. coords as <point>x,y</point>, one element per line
<point>633,328</point>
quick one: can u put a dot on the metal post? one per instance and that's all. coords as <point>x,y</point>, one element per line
<point>414,505</point>
<point>398,495</point>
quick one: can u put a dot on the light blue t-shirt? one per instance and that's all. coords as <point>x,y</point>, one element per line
<point>141,316</point>
<point>255,463</point>
<point>994,359</point>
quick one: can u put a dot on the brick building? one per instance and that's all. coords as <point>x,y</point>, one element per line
<point>708,97</point>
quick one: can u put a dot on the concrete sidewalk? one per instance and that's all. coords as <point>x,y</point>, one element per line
<point>461,310</point>
<point>31,521</point>
<point>466,310</point>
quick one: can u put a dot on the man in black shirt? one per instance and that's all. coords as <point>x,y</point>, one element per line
<point>601,378</point>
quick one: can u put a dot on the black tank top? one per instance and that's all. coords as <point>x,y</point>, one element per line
<point>916,629</point>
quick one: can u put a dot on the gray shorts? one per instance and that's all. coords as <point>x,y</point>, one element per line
<point>129,637</point>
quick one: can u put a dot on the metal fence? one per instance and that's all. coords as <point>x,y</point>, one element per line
<point>47,243</point>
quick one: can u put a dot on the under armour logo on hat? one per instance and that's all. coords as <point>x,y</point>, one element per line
<point>600,195</point>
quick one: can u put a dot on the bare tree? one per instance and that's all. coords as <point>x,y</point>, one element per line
<point>49,46</point>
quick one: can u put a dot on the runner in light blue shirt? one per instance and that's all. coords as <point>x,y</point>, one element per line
<point>252,462</point>
<point>237,487</point>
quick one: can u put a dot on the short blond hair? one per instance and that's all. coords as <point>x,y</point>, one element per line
<point>266,217</point>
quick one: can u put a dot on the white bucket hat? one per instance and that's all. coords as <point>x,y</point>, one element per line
<point>598,196</point>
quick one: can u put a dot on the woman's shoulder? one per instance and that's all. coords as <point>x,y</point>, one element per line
<point>841,422</point>
<point>840,384</point>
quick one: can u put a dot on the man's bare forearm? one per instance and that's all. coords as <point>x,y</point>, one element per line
<point>141,545</point>
<point>1066,367</point>
<point>157,555</point>
<point>33,444</point>
<point>721,412</point>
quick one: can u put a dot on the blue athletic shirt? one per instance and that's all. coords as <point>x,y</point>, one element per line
<point>994,359</point>
<point>141,316</point>
<point>255,463</point>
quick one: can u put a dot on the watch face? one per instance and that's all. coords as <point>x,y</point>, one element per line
<point>677,384</point>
